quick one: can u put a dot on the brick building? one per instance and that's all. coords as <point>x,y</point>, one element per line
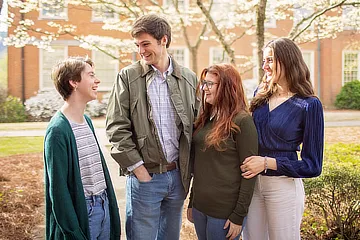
<point>332,62</point>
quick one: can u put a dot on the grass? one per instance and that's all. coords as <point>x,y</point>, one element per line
<point>20,145</point>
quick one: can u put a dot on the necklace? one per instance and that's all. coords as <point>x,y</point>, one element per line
<point>277,99</point>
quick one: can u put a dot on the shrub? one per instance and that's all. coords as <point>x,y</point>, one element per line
<point>349,97</point>
<point>3,95</point>
<point>45,104</point>
<point>333,199</point>
<point>96,108</point>
<point>12,110</point>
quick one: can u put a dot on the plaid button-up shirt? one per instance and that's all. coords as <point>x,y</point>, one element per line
<point>164,115</point>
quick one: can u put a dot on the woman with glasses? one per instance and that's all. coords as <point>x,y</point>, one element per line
<point>224,136</point>
<point>286,114</point>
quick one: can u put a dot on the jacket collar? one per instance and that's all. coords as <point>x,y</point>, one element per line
<point>147,69</point>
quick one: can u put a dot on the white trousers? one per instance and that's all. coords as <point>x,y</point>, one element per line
<point>276,209</point>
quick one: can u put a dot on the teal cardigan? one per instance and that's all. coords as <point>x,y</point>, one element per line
<point>66,211</point>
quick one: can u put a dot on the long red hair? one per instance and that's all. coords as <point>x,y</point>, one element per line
<point>228,102</point>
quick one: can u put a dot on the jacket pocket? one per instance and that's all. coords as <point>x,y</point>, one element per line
<point>133,103</point>
<point>145,150</point>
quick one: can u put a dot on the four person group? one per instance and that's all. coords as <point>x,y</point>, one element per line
<point>165,128</point>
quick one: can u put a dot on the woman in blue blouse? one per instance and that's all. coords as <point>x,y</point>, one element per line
<point>286,114</point>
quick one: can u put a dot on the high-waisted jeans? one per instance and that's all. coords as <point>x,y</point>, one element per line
<point>99,219</point>
<point>276,209</point>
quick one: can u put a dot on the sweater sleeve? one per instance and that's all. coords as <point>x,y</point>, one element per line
<point>310,164</point>
<point>247,145</point>
<point>57,171</point>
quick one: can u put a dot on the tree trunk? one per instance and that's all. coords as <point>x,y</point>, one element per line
<point>260,34</point>
<point>220,36</point>
<point>194,63</point>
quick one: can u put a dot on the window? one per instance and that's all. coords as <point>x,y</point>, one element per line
<point>102,12</point>
<point>351,60</point>
<point>182,4</point>
<point>218,55</point>
<point>180,55</point>
<point>309,60</point>
<point>106,69</point>
<point>47,60</point>
<point>53,9</point>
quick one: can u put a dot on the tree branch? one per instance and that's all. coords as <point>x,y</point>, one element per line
<point>218,33</point>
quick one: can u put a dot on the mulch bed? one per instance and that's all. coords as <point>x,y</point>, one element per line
<point>21,195</point>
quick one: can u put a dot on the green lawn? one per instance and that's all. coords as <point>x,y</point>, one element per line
<point>20,145</point>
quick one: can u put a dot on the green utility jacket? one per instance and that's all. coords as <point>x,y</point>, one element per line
<point>129,124</point>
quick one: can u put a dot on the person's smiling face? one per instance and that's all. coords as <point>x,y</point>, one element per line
<point>88,85</point>
<point>269,64</point>
<point>210,86</point>
<point>150,49</point>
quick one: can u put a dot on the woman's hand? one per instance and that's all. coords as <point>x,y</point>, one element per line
<point>234,229</point>
<point>252,166</point>
<point>189,215</point>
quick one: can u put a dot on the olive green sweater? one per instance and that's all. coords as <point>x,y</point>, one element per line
<point>219,190</point>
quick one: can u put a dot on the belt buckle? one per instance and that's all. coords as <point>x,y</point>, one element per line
<point>171,165</point>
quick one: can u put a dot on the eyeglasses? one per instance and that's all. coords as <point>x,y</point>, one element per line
<point>208,84</point>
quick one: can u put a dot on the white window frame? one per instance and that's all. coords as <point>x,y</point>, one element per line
<point>41,54</point>
<point>212,53</point>
<point>186,55</point>
<point>101,19</point>
<point>44,16</point>
<point>312,65</point>
<point>343,65</point>
<point>103,88</point>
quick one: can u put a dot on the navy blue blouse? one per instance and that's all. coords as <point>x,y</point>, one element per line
<point>281,132</point>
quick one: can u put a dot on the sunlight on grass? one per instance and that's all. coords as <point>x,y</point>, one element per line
<point>20,145</point>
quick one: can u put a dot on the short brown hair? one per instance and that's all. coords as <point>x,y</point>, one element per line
<point>66,70</point>
<point>154,25</point>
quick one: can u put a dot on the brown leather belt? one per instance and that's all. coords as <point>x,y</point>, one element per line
<point>156,168</point>
<point>171,166</point>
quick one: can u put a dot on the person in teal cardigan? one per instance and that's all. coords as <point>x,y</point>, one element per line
<point>71,205</point>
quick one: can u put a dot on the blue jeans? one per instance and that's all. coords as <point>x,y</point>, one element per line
<point>154,208</point>
<point>210,228</point>
<point>99,219</point>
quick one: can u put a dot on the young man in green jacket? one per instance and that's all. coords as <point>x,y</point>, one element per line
<point>149,124</point>
<point>80,199</point>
